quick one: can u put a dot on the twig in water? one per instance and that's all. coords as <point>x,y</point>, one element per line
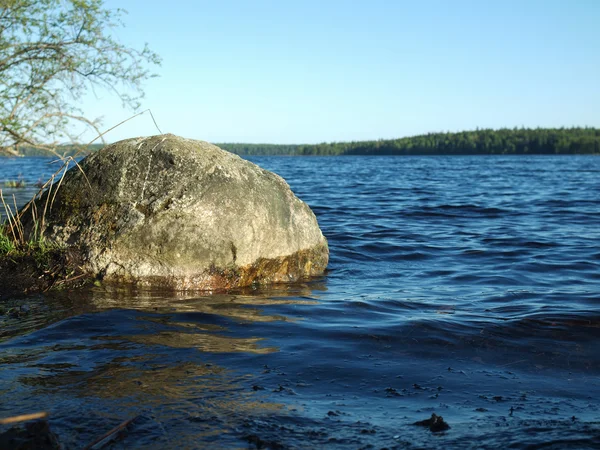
<point>514,362</point>
<point>23,418</point>
<point>99,443</point>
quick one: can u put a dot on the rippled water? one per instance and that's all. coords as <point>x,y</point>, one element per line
<point>464,286</point>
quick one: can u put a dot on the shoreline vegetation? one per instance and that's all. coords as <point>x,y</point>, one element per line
<point>505,141</point>
<point>35,265</point>
<point>29,262</point>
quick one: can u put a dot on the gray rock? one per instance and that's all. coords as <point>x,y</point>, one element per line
<point>183,214</point>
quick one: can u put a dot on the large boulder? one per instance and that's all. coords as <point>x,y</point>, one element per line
<point>183,214</point>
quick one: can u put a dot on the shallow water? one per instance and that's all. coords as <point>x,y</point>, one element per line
<point>464,286</point>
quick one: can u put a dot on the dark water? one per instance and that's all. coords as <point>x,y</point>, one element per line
<point>464,286</point>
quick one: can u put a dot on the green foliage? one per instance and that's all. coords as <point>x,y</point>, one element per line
<point>15,184</point>
<point>7,244</point>
<point>51,53</point>
<point>37,247</point>
<point>41,250</point>
<point>539,141</point>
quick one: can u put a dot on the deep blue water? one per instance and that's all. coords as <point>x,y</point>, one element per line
<point>464,286</point>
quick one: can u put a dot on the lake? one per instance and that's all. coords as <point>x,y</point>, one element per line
<point>468,287</point>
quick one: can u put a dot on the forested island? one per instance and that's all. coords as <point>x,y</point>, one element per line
<point>505,141</point>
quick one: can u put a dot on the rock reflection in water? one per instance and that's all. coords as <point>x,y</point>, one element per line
<point>235,304</point>
<point>110,355</point>
<point>35,312</point>
<point>204,342</point>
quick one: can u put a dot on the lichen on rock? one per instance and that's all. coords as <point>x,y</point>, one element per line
<point>185,214</point>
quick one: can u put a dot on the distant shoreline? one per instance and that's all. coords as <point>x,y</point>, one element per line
<point>516,141</point>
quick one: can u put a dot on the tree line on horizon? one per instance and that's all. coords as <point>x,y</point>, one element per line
<point>505,141</point>
<point>516,141</point>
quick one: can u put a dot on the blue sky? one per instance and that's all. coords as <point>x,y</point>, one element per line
<point>331,70</point>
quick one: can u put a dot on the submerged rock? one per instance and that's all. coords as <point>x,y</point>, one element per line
<point>435,423</point>
<point>183,214</point>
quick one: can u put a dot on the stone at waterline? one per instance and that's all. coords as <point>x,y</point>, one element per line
<point>185,214</point>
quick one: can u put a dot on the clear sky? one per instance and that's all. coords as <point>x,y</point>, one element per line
<point>308,71</point>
